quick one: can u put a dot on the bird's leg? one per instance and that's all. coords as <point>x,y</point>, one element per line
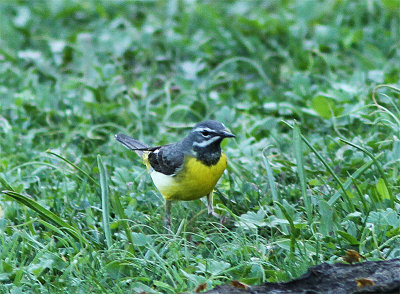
<point>168,215</point>
<point>210,205</point>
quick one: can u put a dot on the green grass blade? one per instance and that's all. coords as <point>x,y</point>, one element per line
<point>272,186</point>
<point>73,165</point>
<point>270,176</point>
<point>330,170</point>
<point>348,182</point>
<point>360,195</point>
<point>65,238</point>
<point>348,237</point>
<point>292,228</point>
<point>5,184</point>
<point>48,215</point>
<point>298,150</point>
<point>249,61</point>
<point>379,167</point>
<point>33,163</point>
<point>116,203</point>
<point>104,201</point>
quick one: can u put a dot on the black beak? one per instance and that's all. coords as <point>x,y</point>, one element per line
<point>226,134</point>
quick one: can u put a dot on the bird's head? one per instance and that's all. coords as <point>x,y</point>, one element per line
<point>209,133</point>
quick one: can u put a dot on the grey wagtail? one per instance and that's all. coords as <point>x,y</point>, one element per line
<point>186,170</point>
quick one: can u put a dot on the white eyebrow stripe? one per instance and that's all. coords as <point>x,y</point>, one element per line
<point>204,129</point>
<point>207,142</point>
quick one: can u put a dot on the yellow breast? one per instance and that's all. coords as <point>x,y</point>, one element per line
<point>196,180</point>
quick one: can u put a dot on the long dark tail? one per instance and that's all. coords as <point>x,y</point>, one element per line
<point>132,144</point>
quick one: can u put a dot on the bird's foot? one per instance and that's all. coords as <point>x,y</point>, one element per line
<point>168,225</point>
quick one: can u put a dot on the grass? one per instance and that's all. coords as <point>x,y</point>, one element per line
<point>310,88</point>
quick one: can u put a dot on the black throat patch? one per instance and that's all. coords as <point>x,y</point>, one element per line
<point>208,155</point>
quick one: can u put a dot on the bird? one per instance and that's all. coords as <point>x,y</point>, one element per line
<point>188,169</point>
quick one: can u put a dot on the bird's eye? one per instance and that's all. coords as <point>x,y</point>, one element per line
<point>205,133</point>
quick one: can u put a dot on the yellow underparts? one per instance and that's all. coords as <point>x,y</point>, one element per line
<point>196,180</point>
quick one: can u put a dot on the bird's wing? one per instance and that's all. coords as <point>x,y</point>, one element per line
<point>167,159</point>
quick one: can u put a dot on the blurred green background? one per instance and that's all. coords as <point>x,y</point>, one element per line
<point>75,73</point>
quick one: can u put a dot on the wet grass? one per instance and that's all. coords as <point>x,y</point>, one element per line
<point>310,88</point>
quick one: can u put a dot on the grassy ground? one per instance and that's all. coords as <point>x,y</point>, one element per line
<point>313,172</point>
